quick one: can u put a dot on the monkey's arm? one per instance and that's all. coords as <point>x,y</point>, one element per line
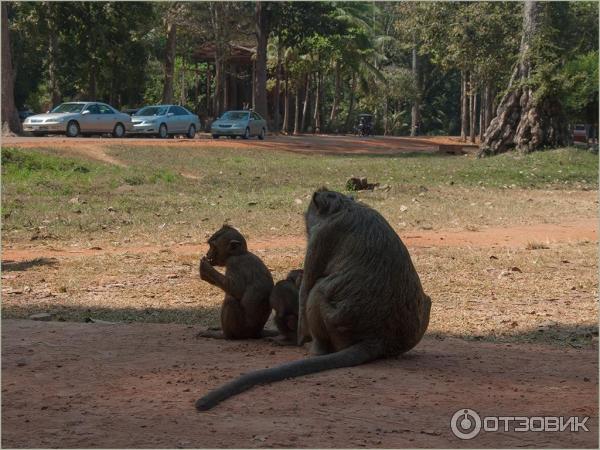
<point>318,253</point>
<point>211,275</point>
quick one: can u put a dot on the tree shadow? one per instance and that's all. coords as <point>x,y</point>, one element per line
<point>19,266</point>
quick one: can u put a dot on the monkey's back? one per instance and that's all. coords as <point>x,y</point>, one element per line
<point>373,286</point>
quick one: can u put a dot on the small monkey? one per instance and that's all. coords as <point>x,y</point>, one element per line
<point>284,301</point>
<point>247,284</point>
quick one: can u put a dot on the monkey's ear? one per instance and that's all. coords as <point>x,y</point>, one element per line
<point>234,244</point>
<point>321,202</point>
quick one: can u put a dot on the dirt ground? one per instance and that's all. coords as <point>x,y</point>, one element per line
<point>134,386</point>
<point>67,384</point>
<point>321,144</point>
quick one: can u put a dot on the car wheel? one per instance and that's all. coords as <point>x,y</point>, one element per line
<point>163,133</point>
<point>191,132</point>
<point>119,131</point>
<point>261,136</point>
<point>215,136</point>
<point>246,134</point>
<point>72,129</point>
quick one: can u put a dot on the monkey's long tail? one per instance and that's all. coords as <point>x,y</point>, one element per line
<point>351,356</point>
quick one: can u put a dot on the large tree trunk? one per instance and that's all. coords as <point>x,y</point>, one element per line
<point>464,122</point>
<point>262,33</point>
<point>524,121</point>
<point>414,112</point>
<point>167,96</point>
<point>10,116</point>
<point>276,109</point>
<point>305,107</point>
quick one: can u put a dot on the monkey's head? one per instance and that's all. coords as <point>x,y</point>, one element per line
<point>225,243</point>
<point>295,276</point>
<point>323,205</point>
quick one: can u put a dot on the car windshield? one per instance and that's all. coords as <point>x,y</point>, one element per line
<point>235,115</point>
<point>152,111</point>
<point>68,108</point>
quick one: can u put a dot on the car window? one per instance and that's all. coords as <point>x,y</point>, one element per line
<point>68,108</point>
<point>255,116</point>
<point>235,115</point>
<point>93,109</point>
<point>152,111</point>
<point>104,109</point>
<point>179,111</point>
<point>579,127</point>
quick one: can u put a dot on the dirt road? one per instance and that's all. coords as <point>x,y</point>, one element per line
<point>321,144</point>
<point>110,386</point>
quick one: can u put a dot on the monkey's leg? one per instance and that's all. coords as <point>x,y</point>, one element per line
<point>234,321</point>
<point>321,341</point>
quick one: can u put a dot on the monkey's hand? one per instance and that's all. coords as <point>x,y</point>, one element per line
<point>207,271</point>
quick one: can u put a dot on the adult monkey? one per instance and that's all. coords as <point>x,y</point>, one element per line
<point>360,298</point>
<point>247,284</point>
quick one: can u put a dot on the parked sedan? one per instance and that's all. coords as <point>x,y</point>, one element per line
<point>74,118</point>
<point>165,120</point>
<point>239,123</point>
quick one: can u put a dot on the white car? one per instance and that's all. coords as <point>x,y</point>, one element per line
<point>165,120</point>
<point>75,118</point>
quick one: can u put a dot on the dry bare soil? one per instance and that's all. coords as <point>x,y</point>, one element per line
<point>511,268</point>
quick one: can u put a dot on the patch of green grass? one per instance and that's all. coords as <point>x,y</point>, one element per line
<point>266,192</point>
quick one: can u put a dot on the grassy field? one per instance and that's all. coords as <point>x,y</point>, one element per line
<point>150,200</point>
<point>168,196</point>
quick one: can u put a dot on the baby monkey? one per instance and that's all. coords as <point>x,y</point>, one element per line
<point>247,284</point>
<point>284,300</point>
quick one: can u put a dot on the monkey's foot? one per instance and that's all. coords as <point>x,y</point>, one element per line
<point>212,333</point>
<point>266,333</point>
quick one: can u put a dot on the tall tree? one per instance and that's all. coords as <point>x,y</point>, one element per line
<point>529,116</point>
<point>260,74</point>
<point>10,116</point>
<point>167,96</point>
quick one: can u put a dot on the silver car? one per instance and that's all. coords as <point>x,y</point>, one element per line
<point>165,120</point>
<point>239,123</point>
<point>74,118</point>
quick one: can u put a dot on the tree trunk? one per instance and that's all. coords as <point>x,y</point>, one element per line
<point>167,96</point>
<point>10,116</point>
<point>262,33</point>
<point>488,106</point>
<point>351,103</point>
<point>297,111</point>
<point>208,90</point>
<point>305,107</point>
<point>276,109</point>
<point>481,115</point>
<point>336,95</point>
<point>524,121</point>
<point>286,104</point>
<point>472,108</point>
<point>218,95</point>
<point>415,113</point>
<point>317,113</point>
<point>52,52</point>
<point>464,123</point>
